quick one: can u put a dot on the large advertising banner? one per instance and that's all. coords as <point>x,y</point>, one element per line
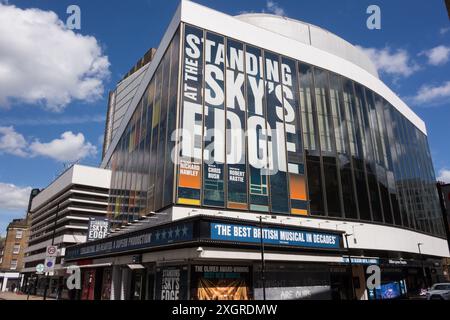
<point>189,174</point>
<point>221,282</point>
<point>240,142</point>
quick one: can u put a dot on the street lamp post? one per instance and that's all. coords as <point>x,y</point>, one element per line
<point>263,264</point>
<point>346,235</point>
<point>423,265</point>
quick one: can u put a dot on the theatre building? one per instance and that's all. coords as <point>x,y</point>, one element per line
<point>261,156</point>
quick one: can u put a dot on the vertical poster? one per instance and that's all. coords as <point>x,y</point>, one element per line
<point>236,127</point>
<point>98,228</point>
<point>294,146</point>
<point>214,122</point>
<point>171,283</point>
<point>189,174</point>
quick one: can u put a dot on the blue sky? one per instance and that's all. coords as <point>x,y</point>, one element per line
<point>48,120</point>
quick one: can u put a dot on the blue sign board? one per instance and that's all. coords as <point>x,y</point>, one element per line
<point>146,238</point>
<point>275,236</point>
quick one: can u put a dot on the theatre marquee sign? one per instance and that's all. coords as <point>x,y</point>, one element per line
<point>274,236</point>
<point>206,229</point>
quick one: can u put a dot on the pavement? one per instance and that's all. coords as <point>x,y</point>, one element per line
<point>19,296</point>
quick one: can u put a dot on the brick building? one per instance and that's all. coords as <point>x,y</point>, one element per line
<point>12,253</point>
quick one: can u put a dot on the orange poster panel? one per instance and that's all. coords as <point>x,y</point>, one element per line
<point>299,202</point>
<point>189,176</point>
<point>298,187</point>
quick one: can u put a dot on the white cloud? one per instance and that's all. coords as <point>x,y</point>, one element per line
<point>70,147</point>
<point>437,56</point>
<point>432,95</point>
<point>12,142</point>
<point>444,175</point>
<point>274,8</point>
<point>271,7</point>
<point>396,63</point>
<point>50,120</point>
<point>13,197</point>
<point>101,139</point>
<point>444,30</point>
<point>43,62</point>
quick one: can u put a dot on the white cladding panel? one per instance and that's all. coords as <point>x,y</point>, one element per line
<point>311,35</point>
<point>91,176</point>
<point>77,174</point>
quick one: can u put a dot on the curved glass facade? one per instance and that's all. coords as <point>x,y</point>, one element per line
<point>262,132</point>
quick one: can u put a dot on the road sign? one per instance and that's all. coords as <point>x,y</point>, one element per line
<point>40,268</point>
<point>49,264</point>
<point>52,251</point>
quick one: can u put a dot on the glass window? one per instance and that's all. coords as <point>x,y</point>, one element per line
<point>19,234</point>
<point>392,172</point>
<point>13,264</point>
<point>148,142</point>
<point>306,107</point>
<point>367,107</point>
<point>326,118</point>
<point>161,148</point>
<point>277,137</point>
<point>294,146</point>
<point>354,127</point>
<point>311,141</point>
<point>172,119</point>
<point>338,103</point>
<point>16,249</point>
<point>156,120</point>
